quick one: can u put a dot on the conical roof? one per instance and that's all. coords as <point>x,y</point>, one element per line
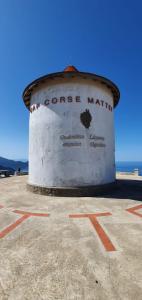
<point>70,69</point>
<point>70,73</point>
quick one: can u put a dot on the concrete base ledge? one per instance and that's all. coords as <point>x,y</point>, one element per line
<point>80,191</point>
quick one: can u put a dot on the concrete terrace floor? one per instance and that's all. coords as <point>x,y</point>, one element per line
<point>70,248</point>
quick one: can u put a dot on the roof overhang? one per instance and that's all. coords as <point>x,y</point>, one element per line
<point>69,75</point>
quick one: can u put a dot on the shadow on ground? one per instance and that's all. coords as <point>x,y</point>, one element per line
<point>126,189</point>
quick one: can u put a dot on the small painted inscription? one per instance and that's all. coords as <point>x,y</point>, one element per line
<point>69,137</point>
<point>70,140</point>
<point>71,144</point>
<point>95,145</point>
<point>94,137</point>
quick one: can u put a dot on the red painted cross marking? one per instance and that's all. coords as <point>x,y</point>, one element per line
<point>30,214</point>
<point>25,216</point>
<point>132,210</point>
<point>100,231</point>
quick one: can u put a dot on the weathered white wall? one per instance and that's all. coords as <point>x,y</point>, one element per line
<point>53,165</point>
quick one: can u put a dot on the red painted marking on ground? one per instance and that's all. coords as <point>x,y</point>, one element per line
<point>132,210</point>
<point>100,231</point>
<point>1,206</point>
<point>25,216</point>
<point>30,213</point>
<point>11,227</point>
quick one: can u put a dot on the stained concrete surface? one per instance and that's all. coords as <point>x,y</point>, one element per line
<point>58,257</point>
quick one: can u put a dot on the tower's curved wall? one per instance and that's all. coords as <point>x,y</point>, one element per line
<point>71,134</point>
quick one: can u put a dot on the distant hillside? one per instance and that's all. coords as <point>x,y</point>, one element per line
<point>7,168</point>
<point>8,163</point>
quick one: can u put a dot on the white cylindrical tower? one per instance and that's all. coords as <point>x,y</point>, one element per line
<point>71,134</point>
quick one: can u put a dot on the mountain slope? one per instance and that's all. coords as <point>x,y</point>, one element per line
<point>6,168</point>
<point>8,163</point>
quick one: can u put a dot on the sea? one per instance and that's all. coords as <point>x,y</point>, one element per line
<point>125,166</point>
<point>129,166</point>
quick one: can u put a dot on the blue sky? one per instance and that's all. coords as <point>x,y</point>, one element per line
<point>44,36</point>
